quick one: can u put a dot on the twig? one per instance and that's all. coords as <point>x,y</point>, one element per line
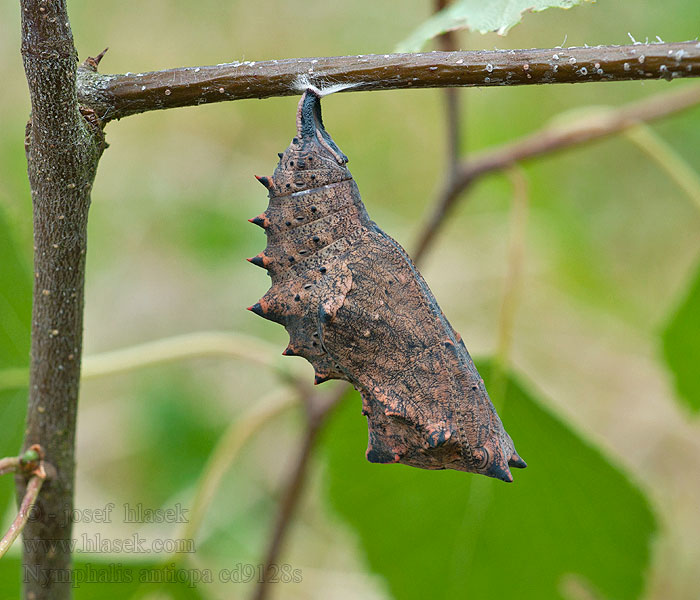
<point>32,465</point>
<point>319,411</point>
<point>198,344</point>
<point>191,345</point>
<point>31,493</point>
<point>551,139</point>
<point>513,284</point>
<point>448,42</point>
<point>220,460</point>
<point>9,464</point>
<point>516,260</point>
<point>118,96</point>
<point>26,463</point>
<point>229,447</point>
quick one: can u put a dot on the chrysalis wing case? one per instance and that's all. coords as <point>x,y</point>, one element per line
<point>356,308</point>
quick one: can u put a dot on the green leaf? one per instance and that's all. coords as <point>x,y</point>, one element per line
<point>15,301</point>
<point>175,423</point>
<point>15,317</point>
<point>681,346</point>
<point>477,15</point>
<point>570,520</point>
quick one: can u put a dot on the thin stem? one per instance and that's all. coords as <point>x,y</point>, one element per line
<point>220,460</point>
<point>31,493</point>
<point>513,283</point>
<point>118,96</point>
<point>516,262</point>
<point>290,499</point>
<point>668,159</point>
<point>9,464</point>
<point>30,465</point>
<point>320,410</point>
<point>548,140</point>
<point>198,344</point>
<point>453,125</point>
<point>448,42</point>
<point>229,447</point>
<point>187,346</point>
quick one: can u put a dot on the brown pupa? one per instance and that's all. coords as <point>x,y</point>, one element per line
<point>356,308</point>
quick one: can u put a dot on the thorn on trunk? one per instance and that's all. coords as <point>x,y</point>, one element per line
<point>92,62</point>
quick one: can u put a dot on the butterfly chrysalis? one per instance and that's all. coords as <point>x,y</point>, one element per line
<point>356,308</point>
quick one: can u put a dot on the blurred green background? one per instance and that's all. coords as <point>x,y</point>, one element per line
<point>605,350</point>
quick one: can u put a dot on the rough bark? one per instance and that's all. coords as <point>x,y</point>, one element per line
<point>63,149</point>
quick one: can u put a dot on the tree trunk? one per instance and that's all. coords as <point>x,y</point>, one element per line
<point>63,149</point>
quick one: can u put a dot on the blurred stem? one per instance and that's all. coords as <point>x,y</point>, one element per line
<point>227,451</point>
<point>513,284</point>
<point>190,345</point>
<point>319,408</point>
<point>454,134</point>
<point>181,347</point>
<point>668,159</point>
<point>222,457</point>
<point>448,42</point>
<point>548,140</point>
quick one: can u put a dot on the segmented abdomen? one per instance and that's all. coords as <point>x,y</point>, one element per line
<point>356,307</point>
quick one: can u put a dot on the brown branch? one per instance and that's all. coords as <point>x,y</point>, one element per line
<point>318,411</point>
<point>9,464</point>
<point>549,140</point>
<point>26,463</point>
<point>448,42</point>
<point>31,464</point>
<point>512,287</point>
<point>117,96</point>
<point>31,493</point>
<point>63,149</point>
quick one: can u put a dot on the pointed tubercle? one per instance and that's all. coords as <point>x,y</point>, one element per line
<point>257,309</point>
<point>320,378</point>
<point>267,310</point>
<point>516,461</point>
<point>264,180</point>
<point>500,472</point>
<point>259,260</point>
<point>260,221</point>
